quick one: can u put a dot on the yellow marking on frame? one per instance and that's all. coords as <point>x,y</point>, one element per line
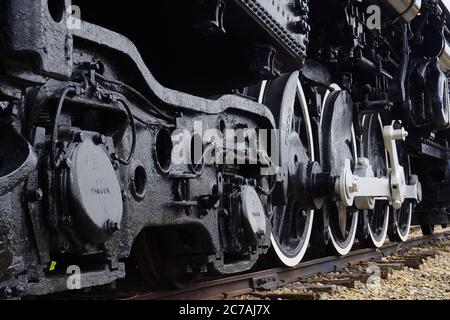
<point>52,266</point>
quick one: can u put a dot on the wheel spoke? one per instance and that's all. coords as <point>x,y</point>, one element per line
<point>342,211</point>
<point>286,227</point>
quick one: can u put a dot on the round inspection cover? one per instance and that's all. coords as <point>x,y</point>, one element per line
<point>95,192</point>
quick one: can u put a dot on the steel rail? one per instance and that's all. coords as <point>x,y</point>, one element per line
<point>230,287</point>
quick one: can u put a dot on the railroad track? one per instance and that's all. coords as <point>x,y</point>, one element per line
<point>228,288</point>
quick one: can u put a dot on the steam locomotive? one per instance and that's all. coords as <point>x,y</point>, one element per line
<point>184,139</point>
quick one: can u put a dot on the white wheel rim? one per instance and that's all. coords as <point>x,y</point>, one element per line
<point>344,251</point>
<point>405,237</point>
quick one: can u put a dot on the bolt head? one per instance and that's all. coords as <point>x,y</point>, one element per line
<point>397,205</point>
<point>354,185</point>
<point>100,139</point>
<point>80,136</point>
<point>68,163</point>
<point>112,227</point>
<point>7,292</point>
<point>406,134</point>
<point>19,289</point>
<point>39,194</point>
<point>261,234</point>
<point>64,246</point>
<point>363,162</point>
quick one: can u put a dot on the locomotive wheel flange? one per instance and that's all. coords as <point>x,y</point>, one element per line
<point>291,224</point>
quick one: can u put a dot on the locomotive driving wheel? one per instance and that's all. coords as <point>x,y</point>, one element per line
<point>374,223</point>
<point>291,224</point>
<point>338,142</point>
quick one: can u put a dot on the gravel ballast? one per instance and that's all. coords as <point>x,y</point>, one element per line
<point>430,282</point>
<point>421,273</point>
